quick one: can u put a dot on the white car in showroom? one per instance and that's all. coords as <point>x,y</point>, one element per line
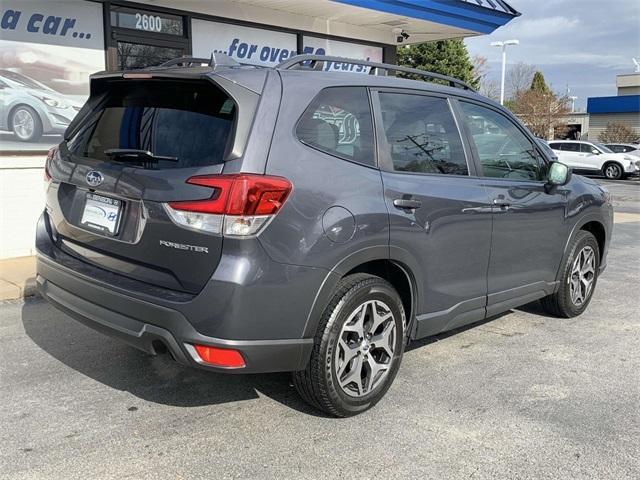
<point>594,158</point>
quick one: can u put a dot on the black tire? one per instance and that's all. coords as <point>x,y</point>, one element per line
<point>35,132</point>
<point>560,303</point>
<point>613,171</point>
<point>318,383</point>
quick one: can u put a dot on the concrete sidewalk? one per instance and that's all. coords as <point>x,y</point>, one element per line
<point>17,278</point>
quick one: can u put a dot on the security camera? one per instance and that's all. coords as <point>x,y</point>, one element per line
<point>401,35</point>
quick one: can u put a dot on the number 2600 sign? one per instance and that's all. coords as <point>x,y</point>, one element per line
<point>150,23</point>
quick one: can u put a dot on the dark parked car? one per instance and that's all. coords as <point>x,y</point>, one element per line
<point>291,219</point>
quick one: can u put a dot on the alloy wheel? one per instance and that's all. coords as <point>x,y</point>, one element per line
<point>365,348</point>
<point>612,171</point>
<point>23,124</point>
<point>583,274</point>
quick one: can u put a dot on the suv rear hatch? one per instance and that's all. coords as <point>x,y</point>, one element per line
<point>129,153</point>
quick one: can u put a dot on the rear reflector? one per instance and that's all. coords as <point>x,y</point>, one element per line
<point>220,357</point>
<point>240,204</point>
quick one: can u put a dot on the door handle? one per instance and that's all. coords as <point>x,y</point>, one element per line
<point>502,204</point>
<point>407,203</point>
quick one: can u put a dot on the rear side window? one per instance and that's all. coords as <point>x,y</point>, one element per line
<point>422,134</point>
<point>190,122</point>
<point>571,147</point>
<point>338,122</point>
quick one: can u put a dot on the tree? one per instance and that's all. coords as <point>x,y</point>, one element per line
<point>519,78</point>
<point>447,57</point>
<point>488,87</point>
<point>542,111</point>
<point>538,84</point>
<point>616,132</point>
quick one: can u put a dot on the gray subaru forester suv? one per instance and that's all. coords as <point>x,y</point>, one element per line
<point>249,219</point>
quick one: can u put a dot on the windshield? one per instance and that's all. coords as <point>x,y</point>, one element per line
<point>189,122</point>
<point>602,148</point>
<point>545,146</point>
<point>23,80</point>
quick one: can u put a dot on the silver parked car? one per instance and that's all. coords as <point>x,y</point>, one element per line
<point>29,108</point>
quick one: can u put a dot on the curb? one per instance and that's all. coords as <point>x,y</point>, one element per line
<point>29,289</point>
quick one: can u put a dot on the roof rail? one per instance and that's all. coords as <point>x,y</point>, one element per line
<point>316,62</point>
<point>216,60</point>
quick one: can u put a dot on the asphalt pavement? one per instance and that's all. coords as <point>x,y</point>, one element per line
<point>521,396</point>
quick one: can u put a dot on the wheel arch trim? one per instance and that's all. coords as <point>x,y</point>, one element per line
<point>352,261</point>
<point>592,217</point>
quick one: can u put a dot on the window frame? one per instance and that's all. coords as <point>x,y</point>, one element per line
<point>586,148</point>
<point>374,149</point>
<point>476,157</point>
<point>382,146</point>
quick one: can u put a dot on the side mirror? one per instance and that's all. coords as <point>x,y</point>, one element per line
<point>595,152</point>
<point>559,174</point>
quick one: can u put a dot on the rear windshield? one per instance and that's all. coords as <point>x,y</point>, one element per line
<point>189,123</point>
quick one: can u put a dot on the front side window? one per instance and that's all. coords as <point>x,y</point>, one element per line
<point>504,151</point>
<point>422,134</point>
<point>338,122</point>
<point>586,148</point>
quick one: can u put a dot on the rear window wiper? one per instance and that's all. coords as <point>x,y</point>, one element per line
<point>134,154</point>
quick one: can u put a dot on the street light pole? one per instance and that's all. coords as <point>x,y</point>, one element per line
<point>503,45</point>
<point>573,103</point>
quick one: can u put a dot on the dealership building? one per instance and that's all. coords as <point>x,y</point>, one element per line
<point>623,109</point>
<point>49,48</point>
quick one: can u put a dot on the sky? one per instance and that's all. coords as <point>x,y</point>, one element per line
<point>580,43</point>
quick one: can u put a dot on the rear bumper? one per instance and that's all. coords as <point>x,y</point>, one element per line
<point>146,326</point>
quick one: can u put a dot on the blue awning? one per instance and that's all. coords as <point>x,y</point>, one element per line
<point>619,104</point>
<point>481,16</point>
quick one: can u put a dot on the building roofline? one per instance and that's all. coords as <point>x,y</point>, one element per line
<point>470,15</point>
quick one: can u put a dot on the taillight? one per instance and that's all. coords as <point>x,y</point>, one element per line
<point>240,205</point>
<point>50,154</point>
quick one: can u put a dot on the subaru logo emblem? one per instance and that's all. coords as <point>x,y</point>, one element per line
<point>94,178</point>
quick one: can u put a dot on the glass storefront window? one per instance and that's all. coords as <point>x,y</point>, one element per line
<point>138,55</point>
<point>146,21</point>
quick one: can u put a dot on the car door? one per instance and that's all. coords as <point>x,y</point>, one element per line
<point>590,157</point>
<point>529,230</point>
<point>571,154</point>
<point>440,216</point>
